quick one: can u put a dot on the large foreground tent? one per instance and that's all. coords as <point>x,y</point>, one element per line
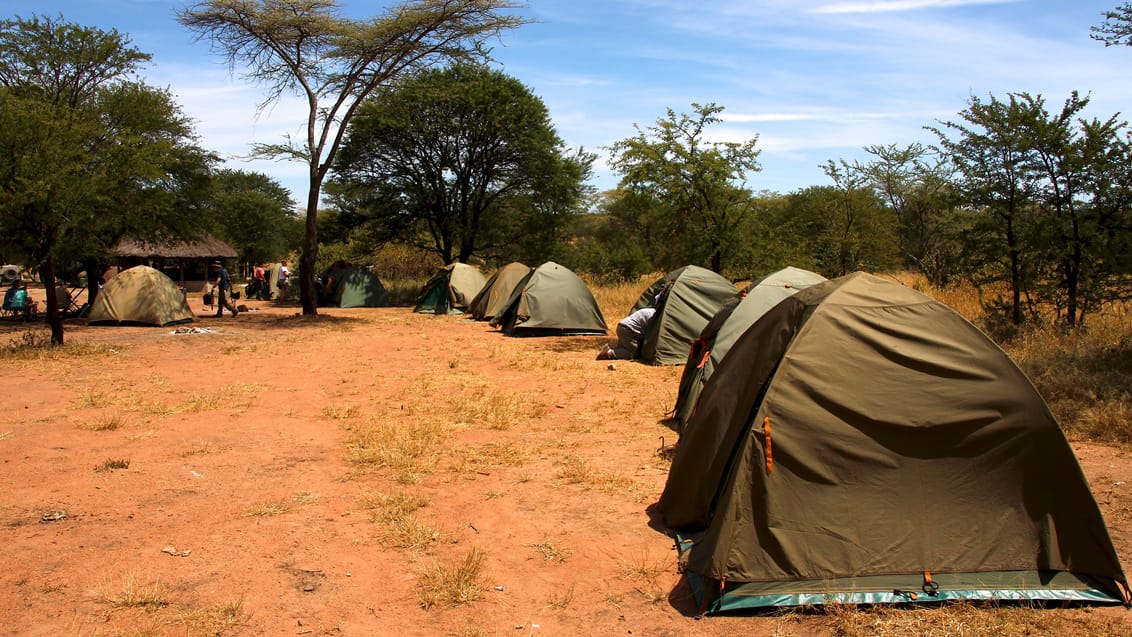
<point>732,319</point>
<point>450,290</point>
<point>551,301</point>
<point>140,295</point>
<point>494,294</point>
<point>353,286</point>
<point>685,300</point>
<point>863,443</point>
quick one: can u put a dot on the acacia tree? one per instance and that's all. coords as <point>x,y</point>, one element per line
<point>996,178</point>
<point>701,183</point>
<point>306,47</point>
<point>465,156</point>
<point>87,154</point>
<point>915,184</point>
<point>1117,27</point>
<point>1050,194</point>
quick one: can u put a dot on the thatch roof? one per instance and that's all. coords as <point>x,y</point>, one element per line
<point>203,248</point>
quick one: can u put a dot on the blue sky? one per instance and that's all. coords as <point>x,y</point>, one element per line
<point>814,80</point>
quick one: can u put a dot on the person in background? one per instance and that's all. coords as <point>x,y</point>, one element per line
<point>10,293</point>
<point>630,330</point>
<point>224,290</point>
<point>284,280</point>
<point>259,282</point>
<point>22,303</point>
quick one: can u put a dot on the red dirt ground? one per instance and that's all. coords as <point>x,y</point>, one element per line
<point>217,425</point>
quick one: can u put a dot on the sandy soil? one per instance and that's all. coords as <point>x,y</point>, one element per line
<point>240,497</point>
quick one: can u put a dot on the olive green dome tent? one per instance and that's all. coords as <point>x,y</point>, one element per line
<point>864,443</point>
<point>685,300</point>
<point>140,295</point>
<point>732,319</point>
<point>495,293</point>
<point>551,301</point>
<point>450,290</point>
<point>354,286</point>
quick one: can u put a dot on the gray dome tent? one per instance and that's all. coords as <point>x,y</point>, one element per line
<point>864,443</point>
<point>688,298</point>
<point>728,324</point>
<point>551,301</point>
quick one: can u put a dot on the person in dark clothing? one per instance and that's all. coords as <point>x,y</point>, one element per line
<point>224,290</point>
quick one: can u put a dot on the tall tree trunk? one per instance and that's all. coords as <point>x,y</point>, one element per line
<point>308,260</point>
<point>1015,274</point>
<point>54,318</point>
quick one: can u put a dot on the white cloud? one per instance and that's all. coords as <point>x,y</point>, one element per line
<point>889,6</point>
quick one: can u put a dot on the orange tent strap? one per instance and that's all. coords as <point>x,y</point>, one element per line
<point>769,457</point>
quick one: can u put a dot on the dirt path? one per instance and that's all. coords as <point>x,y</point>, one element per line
<point>245,495</point>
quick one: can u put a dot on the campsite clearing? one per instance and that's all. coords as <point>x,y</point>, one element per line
<point>365,472</point>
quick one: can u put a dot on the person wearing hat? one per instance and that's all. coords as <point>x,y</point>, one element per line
<point>224,289</point>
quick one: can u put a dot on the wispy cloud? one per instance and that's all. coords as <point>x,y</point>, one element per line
<point>889,6</point>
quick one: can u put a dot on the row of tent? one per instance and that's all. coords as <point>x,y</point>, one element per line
<point>855,441</point>
<point>848,440</point>
<point>522,301</point>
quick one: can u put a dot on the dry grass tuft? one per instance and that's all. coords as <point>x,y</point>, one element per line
<point>336,412</point>
<point>561,600</point>
<point>35,345</point>
<point>409,449</point>
<point>134,594</point>
<point>227,397</point>
<point>498,410</point>
<point>390,507</point>
<point>488,455</point>
<point>103,423</point>
<point>551,552</point>
<point>285,505</point>
<point>412,534</point>
<point>198,449</point>
<point>444,585</point>
<point>222,619</point>
<point>967,619</point>
<point>577,471</point>
<point>111,464</point>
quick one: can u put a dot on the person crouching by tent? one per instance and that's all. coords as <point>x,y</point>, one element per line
<point>224,290</point>
<point>630,331</point>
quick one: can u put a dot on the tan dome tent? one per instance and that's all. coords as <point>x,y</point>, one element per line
<point>494,294</point>
<point>551,301</point>
<point>450,290</point>
<point>728,324</point>
<point>685,300</point>
<point>863,443</point>
<point>140,295</point>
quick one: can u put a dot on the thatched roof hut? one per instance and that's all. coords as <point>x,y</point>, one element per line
<point>183,261</point>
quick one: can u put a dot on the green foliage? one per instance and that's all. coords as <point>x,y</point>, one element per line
<point>256,215</point>
<point>699,185</point>
<point>1049,198</point>
<point>335,63</point>
<point>89,156</point>
<point>464,158</point>
<point>1117,27</point>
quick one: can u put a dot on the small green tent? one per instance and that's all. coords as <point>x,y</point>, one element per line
<point>732,319</point>
<point>140,295</point>
<point>551,301</point>
<point>450,290</point>
<point>354,286</point>
<point>494,294</point>
<point>864,443</point>
<point>685,300</point>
